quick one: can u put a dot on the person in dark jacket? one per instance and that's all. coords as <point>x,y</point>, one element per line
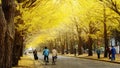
<point>113,52</point>
<point>109,52</point>
<point>35,54</point>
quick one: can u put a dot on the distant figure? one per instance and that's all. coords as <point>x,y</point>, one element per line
<point>109,52</point>
<point>46,54</point>
<point>54,55</point>
<point>75,51</point>
<point>35,54</point>
<point>113,52</point>
<point>98,52</point>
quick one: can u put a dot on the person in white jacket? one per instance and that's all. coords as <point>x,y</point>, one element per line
<point>54,55</point>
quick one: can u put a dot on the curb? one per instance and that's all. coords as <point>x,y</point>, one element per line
<point>96,59</point>
<point>100,60</point>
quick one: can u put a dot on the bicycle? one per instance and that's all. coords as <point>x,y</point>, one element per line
<point>46,62</point>
<point>54,60</point>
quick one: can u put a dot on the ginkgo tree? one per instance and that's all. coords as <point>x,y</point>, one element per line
<point>43,18</point>
<point>43,21</point>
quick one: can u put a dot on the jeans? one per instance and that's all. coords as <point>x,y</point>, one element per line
<point>46,58</point>
<point>98,54</point>
<point>54,58</point>
<point>113,57</point>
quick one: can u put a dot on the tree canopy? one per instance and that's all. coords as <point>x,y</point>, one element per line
<point>44,19</point>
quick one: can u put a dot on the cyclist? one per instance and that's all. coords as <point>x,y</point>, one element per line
<point>46,55</point>
<point>54,55</point>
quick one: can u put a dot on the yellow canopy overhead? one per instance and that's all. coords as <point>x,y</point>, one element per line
<point>50,15</point>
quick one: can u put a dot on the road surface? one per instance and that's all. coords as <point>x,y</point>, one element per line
<point>71,62</point>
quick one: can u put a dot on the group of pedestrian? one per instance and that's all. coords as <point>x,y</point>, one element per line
<point>46,53</point>
<point>111,52</point>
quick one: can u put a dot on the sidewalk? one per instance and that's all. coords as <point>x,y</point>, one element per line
<point>28,62</point>
<point>94,57</point>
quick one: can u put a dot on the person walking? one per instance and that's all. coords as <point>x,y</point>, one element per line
<point>46,54</point>
<point>109,52</point>
<point>35,54</point>
<point>98,52</point>
<point>113,52</point>
<point>54,55</point>
<point>74,51</point>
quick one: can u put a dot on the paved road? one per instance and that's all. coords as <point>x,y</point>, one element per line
<point>71,62</point>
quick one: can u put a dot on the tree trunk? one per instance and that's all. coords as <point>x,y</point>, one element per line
<point>116,42</point>
<point>66,43</point>
<point>51,45</point>
<point>8,9</point>
<point>71,47</point>
<point>80,46</point>
<point>21,48</point>
<point>62,49</point>
<point>105,41</point>
<point>105,33</point>
<point>2,38</point>
<point>79,40</point>
<point>90,42</point>
<point>18,45</point>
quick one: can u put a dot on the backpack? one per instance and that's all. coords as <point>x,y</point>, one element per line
<point>46,52</point>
